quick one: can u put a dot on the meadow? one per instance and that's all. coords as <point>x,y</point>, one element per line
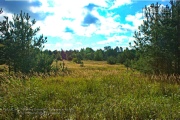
<point>96,91</point>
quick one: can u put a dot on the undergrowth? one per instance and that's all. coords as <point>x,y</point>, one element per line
<point>96,91</point>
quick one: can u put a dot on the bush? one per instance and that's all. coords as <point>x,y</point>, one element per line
<point>76,60</point>
<point>43,63</point>
<point>111,60</point>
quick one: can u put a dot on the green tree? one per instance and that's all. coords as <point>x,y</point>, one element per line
<point>43,62</point>
<point>110,52</point>
<point>158,40</point>
<point>21,46</point>
<point>89,53</point>
<point>57,55</point>
<point>111,60</point>
<point>69,55</point>
<point>98,55</point>
<point>83,54</point>
<point>121,58</point>
<point>126,57</point>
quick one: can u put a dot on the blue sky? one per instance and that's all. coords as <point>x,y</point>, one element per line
<point>76,24</point>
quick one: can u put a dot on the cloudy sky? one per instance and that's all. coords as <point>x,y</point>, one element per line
<point>76,24</point>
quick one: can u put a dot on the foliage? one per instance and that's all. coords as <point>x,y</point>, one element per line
<point>89,53</point>
<point>109,52</point>
<point>22,50</point>
<point>158,39</point>
<point>98,55</point>
<point>43,63</point>
<point>69,55</point>
<point>57,55</point>
<point>76,60</point>
<point>126,55</point>
<point>111,60</point>
<point>121,58</point>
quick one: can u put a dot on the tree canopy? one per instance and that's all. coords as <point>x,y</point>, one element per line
<point>22,49</point>
<point>158,39</point>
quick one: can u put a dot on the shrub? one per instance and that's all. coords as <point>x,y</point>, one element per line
<point>111,60</point>
<point>43,63</point>
<point>76,60</point>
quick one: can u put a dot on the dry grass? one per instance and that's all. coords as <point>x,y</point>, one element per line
<point>95,91</point>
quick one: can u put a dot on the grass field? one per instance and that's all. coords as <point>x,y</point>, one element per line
<point>96,91</point>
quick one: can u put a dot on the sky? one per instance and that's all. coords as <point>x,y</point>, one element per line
<point>76,24</point>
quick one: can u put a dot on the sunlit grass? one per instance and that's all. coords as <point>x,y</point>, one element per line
<point>95,91</point>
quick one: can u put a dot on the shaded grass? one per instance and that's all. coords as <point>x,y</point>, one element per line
<point>96,91</point>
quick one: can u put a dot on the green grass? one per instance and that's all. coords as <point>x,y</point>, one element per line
<point>95,91</point>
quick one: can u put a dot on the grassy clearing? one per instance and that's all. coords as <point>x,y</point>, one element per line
<point>95,91</point>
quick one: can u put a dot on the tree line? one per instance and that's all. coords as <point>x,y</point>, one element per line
<point>109,54</point>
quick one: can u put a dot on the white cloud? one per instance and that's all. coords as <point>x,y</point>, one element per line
<point>108,24</point>
<point>59,46</point>
<point>127,27</point>
<point>118,3</point>
<point>66,5</point>
<point>5,13</point>
<point>136,19</point>
<point>54,24</point>
<point>78,43</point>
<point>113,39</point>
<point>71,13</point>
<point>68,45</point>
<point>66,36</point>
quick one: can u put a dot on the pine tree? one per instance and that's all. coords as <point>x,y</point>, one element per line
<point>157,40</point>
<point>21,46</point>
